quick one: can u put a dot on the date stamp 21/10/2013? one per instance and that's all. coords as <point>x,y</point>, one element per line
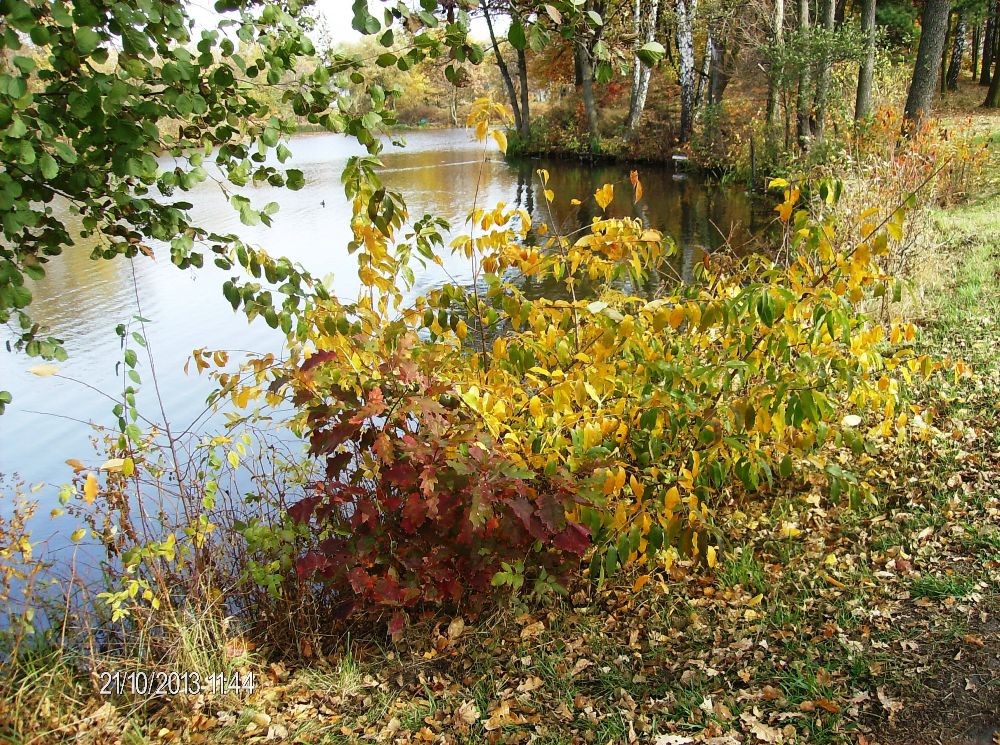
<point>154,683</point>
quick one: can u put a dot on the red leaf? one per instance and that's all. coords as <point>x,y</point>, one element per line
<point>397,623</point>
<point>551,512</point>
<point>301,511</point>
<point>360,581</point>
<point>575,539</point>
<point>414,513</point>
<point>309,564</point>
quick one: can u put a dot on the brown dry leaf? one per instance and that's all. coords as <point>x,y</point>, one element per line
<point>499,717</point>
<point>467,713</point>
<point>532,629</point>
<point>581,664</point>
<point>771,693</point>
<point>456,628</point>
<point>531,683</point>
<point>893,707</point>
<point>830,706</point>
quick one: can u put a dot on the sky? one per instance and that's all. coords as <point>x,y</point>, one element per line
<point>338,16</point>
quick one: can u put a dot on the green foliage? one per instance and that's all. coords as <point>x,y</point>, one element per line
<point>93,93</point>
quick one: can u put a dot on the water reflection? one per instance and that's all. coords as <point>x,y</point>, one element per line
<point>439,172</point>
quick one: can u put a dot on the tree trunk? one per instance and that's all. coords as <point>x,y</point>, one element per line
<point>705,75</point>
<point>957,52</point>
<point>823,84</point>
<point>976,40</point>
<point>991,27</point>
<point>942,76</point>
<point>993,94</point>
<point>508,82</point>
<point>863,101</point>
<point>646,31</point>
<point>586,70</point>
<point>685,10</point>
<point>802,103</point>
<point>927,68</point>
<point>522,79</point>
<point>778,41</point>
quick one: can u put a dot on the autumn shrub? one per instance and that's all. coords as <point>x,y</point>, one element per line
<point>419,508</point>
<point>479,423</point>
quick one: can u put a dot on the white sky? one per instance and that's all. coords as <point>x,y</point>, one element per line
<point>339,15</point>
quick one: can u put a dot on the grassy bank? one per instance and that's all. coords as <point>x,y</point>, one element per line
<point>821,623</point>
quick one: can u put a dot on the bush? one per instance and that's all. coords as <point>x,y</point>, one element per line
<point>480,426</point>
<point>419,508</point>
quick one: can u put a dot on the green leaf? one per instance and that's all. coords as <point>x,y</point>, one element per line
<point>48,166</point>
<point>294,179</point>
<point>87,40</point>
<point>650,53</point>
<point>516,36</point>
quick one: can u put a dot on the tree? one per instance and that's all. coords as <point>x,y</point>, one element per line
<point>993,94</point>
<point>685,12</point>
<point>927,67</point>
<point>508,81</point>
<point>863,101</point>
<point>957,50</point>
<point>989,42</point>
<point>92,92</point>
<point>644,18</point>
<point>826,67</point>
<point>774,74</point>
<point>803,100</point>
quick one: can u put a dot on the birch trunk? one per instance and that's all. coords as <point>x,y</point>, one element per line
<point>778,39</point>
<point>685,10</point>
<point>802,104</point>
<point>640,73</point>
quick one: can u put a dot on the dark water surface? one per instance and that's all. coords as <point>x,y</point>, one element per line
<point>82,301</point>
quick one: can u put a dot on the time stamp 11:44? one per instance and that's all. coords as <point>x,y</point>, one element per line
<point>173,683</point>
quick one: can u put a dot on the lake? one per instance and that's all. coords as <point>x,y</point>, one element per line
<point>82,301</point>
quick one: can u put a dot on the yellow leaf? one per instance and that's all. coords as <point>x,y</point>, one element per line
<point>549,195</point>
<point>501,139</point>
<point>43,371</point>
<point>777,183</point>
<point>75,465</point>
<point>128,467</point>
<point>114,464</point>
<point>233,458</point>
<point>637,487</point>
<point>535,407</point>
<point>90,489</point>
<point>78,534</point>
<point>575,202</point>
<point>755,600</point>
<point>676,317</point>
<point>461,329</point>
<point>672,499</point>
<point>640,582</point>
<point>711,557</point>
<point>604,195</point>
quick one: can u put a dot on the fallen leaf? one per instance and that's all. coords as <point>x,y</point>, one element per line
<point>456,628</point>
<point>530,683</point>
<point>532,629</point>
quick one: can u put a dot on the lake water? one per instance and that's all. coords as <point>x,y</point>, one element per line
<point>82,301</point>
